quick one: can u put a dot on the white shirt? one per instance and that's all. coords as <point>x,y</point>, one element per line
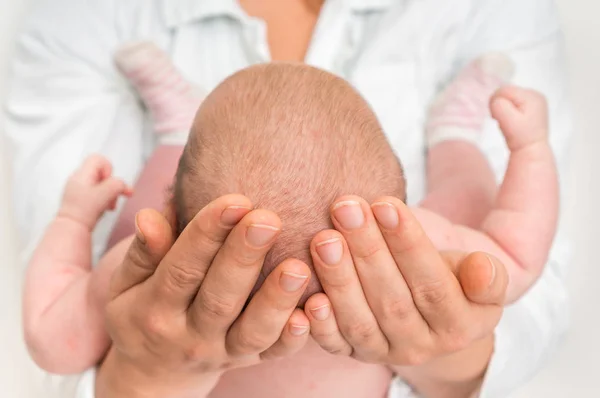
<point>67,100</point>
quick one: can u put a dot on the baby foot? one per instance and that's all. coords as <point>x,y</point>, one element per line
<point>171,100</point>
<point>459,112</point>
<point>522,115</point>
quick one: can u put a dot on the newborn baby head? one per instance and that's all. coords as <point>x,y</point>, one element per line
<point>291,138</point>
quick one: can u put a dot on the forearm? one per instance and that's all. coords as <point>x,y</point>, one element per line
<point>60,266</point>
<point>118,378</point>
<point>64,300</point>
<point>460,184</point>
<point>455,376</point>
<point>69,336</point>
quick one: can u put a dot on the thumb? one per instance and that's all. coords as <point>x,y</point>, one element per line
<point>153,239</point>
<point>483,278</point>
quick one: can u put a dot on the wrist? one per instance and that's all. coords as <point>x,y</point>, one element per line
<point>74,214</point>
<point>117,377</point>
<point>456,375</point>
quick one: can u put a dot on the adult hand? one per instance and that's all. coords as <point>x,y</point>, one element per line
<point>174,314</point>
<point>391,298</point>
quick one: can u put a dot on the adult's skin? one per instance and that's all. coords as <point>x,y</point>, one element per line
<point>424,307</point>
<point>176,318</point>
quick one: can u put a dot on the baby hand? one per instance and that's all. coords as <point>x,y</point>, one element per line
<point>91,191</point>
<point>522,115</point>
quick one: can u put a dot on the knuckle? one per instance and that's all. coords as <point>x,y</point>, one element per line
<point>432,293</point>
<point>454,343</point>
<point>324,337</point>
<point>252,342</point>
<point>155,326</point>
<point>244,258</point>
<point>337,349</point>
<point>184,274</point>
<point>361,333</point>
<point>138,257</point>
<point>197,354</point>
<point>408,239</point>
<point>336,279</point>
<point>399,309</point>
<point>415,357</point>
<point>370,251</point>
<point>275,300</point>
<point>456,340</point>
<point>204,229</point>
<point>215,306</point>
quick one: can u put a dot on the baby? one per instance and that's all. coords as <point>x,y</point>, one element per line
<point>292,138</point>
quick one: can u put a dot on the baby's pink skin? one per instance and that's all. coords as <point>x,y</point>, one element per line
<point>462,108</point>
<point>151,190</point>
<point>62,312</point>
<point>171,100</point>
<point>461,185</point>
<point>64,299</point>
<point>520,227</point>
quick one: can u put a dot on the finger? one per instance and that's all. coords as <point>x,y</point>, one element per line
<point>435,290</point>
<point>337,274</point>
<point>183,269</point>
<point>94,169</point>
<point>484,281</point>
<point>323,326</point>
<point>152,241</point>
<point>483,278</point>
<point>265,317</point>
<point>234,272</point>
<point>108,192</point>
<point>385,289</point>
<point>105,170</point>
<point>293,338</point>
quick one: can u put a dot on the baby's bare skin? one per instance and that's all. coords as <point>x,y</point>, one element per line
<point>326,381</point>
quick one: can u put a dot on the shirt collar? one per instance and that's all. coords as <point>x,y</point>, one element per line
<point>370,5</point>
<point>180,12</point>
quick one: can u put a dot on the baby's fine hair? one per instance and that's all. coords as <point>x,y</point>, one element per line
<point>292,138</point>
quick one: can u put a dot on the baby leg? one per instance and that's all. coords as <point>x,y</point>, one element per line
<point>171,100</point>
<point>460,110</point>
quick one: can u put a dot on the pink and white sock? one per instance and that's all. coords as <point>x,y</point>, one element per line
<point>460,111</point>
<point>171,100</point>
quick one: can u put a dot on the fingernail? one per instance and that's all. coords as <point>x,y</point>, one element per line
<point>330,251</point>
<point>259,235</point>
<point>291,282</point>
<point>386,214</point>
<point>349,214</point>
<point>233,214</point>
<point>138,231</point>
<point>321,313</point>
<point>298,330</point>
<point>492,271</point>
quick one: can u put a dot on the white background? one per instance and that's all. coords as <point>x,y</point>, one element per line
<point>572,371</point>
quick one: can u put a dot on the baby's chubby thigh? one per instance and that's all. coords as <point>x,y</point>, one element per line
<point>441,232</point>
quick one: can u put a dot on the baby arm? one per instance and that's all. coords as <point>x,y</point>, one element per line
<point>521,225</point>
<point>63,319</point>
<point>460,183</point>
